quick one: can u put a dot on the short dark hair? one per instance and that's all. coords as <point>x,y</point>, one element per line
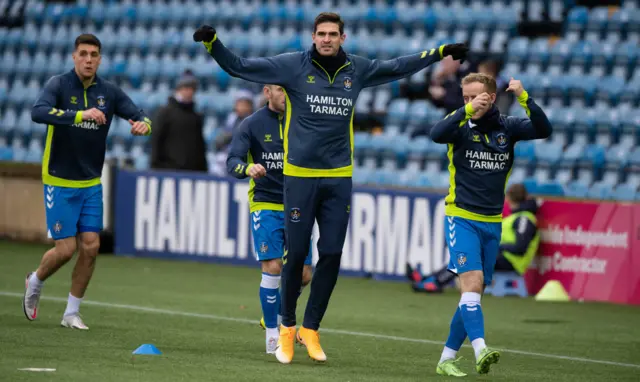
<point>328,17</point>
<point>89,39</point>
<point>517,193</point>
<point>488,81</point>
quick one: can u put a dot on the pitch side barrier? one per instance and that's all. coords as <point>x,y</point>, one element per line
<point>590,247</point>
<point>206,218</point>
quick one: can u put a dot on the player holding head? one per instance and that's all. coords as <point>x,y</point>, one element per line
<point>480,142</point>
<point>258,140</point>
<point>321,88</point>
<point>78,108</point>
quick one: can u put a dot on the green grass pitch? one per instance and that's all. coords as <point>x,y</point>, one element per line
<point>204,318</point>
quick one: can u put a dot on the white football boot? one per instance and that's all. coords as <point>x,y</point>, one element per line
<point>73,321</point>
<point>31,300</point>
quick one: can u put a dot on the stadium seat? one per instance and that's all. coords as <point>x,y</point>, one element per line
<point>594,155</point>
<point>617,156</point>
<point>563,174</point>
<point>624,192</point>
<point>601,191</point>
<point>588,80</point>
<point>361,176</point>
<point>517,49</point>
<point>385,177</point>
<point>6,154</point>
<point>611,176</point>
<point>577,19</point>
<point>550,188</point>
<point>548,153</point>
<point>577,190</point>
<point>571,155</point>
<point>397,112</point>
<point>598,19</point>
<point>531,185</point>
<point>586,175</point>
<point>518,174</point>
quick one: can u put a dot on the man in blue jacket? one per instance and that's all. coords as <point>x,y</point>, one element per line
<point>322,86</point>
<point>257,152</point>
<point>78,108</point>
<point>480,145</point>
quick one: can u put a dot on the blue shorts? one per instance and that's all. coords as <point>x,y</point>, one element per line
<point>473,245</point>
<point>71,211</point>
<point>267,228</point>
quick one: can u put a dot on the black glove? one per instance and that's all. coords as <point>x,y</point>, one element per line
<point>456,51</point>
<point>205,33</point>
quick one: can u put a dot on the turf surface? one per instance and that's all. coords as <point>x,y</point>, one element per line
<point>203,317</point>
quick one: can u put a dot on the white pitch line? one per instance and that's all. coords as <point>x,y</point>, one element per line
<point>325,330</point>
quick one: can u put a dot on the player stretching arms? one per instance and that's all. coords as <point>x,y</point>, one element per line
<point>322,85</point>
<point>78,108</point>
<point>259,139</point>
<point>481,143</point>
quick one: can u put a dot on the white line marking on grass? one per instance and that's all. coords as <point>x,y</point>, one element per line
<point>325,330</point>
<point>36,369</point>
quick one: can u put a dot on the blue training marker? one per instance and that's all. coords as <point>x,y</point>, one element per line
<point>147,349</point>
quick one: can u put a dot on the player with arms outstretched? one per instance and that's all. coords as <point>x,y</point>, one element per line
<point>322,85</point>
<point>257,152</point>
<point>78,108</point>
<point>480,150</point>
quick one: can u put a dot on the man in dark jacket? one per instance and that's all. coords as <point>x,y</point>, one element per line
<point>321,89</point>
<point>178,143</point>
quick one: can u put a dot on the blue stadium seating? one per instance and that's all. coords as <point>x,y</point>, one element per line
<point>588,80</point>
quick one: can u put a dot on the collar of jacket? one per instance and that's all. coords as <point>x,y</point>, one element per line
<point>184,105</point>
<point>490,121</point>
<point>73,73</point>
<point>329,63</point>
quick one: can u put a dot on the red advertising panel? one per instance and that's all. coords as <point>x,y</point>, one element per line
<point>587,246</point>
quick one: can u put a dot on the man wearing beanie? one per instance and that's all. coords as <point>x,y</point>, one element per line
<point>178,142</point>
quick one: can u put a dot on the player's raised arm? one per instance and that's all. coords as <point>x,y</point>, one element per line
<point>537,126</point>
<point>379,72</point>
<point>448,129</point>
<point>45,112</point>
<point>274,70</point>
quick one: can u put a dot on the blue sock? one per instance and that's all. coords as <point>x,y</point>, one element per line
<point>457,335</point>
<point>473,319</point>
<point>457,332</point>
<point>270,299</point>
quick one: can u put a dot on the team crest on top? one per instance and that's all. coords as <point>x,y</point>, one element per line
<point>347,83</point>
<point>101,102</point>
<point>501,139</point>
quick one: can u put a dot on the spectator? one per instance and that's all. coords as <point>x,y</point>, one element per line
<point>177,142</point>
<point>243,108</point>
<point>444,89</point>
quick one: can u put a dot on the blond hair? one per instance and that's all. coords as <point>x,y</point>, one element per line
<point>488,81</point>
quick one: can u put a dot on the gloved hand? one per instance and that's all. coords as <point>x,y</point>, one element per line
<point>456,51</point>
<point>205,33</point>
